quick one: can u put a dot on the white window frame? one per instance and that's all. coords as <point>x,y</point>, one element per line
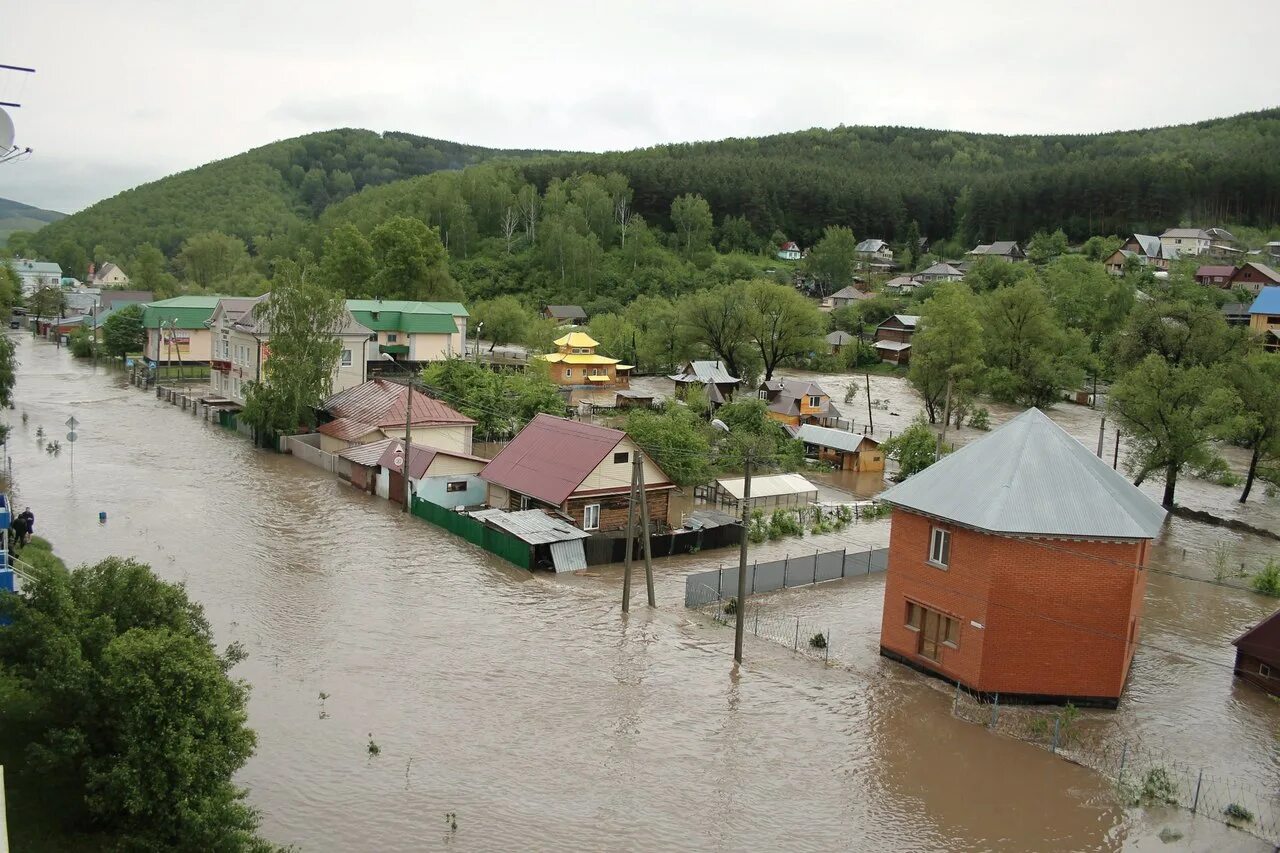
<point>346,358</point>
<point>1264,670</point>
<point>568,373</point>
<point>814,402</point>
<point>587,513</point>
<point>524,502</point>
<point>940,547</point>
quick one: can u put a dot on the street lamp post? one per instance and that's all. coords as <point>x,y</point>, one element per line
<point>408,434</point>
<point>479,326</point>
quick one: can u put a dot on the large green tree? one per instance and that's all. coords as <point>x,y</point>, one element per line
<point>137,710</point>
<point>1256,379</point>
<point>301,321</point>
<point>123,332</point>
<point>8,370</point>
<point>411,262</point>
<point>1030,356</point>
<point>780,322</point>
<point>946,351</point>
<point>677,439</point>
<point>347,263</point>
<point>830,262</point>
<point>209,260</point>
<point>147,271</point>
<point>717,320</point>
<point>505,320</point>
<point>691,217</point>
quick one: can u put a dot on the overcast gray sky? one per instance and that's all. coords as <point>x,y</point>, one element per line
<point>127,91</point>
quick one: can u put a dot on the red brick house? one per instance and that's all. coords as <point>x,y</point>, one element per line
<point>1254,276</point>
<point>1258,654</point>
<point>1015,568</point>
<point>580,470</point>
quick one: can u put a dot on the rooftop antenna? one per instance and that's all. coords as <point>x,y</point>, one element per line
<point>8,151</point>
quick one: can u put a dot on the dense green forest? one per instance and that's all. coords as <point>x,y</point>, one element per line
<point>16,216</point>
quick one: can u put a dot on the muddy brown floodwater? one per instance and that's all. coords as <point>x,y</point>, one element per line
<point>526,704</point>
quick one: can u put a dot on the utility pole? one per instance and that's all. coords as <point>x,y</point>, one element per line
<point>644,527</point>
<point>871,424</point>
<point>631,541</point>
<point>408,437</point>
<point>1115,459</point>
<point>740,626</point>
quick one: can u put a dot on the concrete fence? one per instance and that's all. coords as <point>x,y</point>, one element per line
<point>307,448</point>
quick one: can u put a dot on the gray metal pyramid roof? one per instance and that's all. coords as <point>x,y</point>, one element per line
<point>1030,477</point>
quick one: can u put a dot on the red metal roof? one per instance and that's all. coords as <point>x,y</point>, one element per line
<point>381,403</point>
<point>551,457</point>
<point>420,458</point>
<point>1262,641</point>
<point>1212,270</point>
<point>346,429</point>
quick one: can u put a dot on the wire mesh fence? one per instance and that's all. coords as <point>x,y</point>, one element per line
<point>795,632</point>
<point>1143,774</point>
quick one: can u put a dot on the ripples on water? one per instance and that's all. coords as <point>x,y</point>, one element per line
<point>526,704</point>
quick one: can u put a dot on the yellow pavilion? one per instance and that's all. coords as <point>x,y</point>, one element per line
<point>577,363</point>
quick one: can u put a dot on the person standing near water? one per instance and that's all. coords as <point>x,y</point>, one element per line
<point>29,519</point>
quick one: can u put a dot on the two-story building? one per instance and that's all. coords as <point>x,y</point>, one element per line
<point>578,470</point>
<point>107,275</point>
<point>33,275</point>
<point>1264,318</point>
<point>1186,241</point>
<point>1006,250</point>
<point>576,363</point>
<point>241,346</point>
<point>1017,568</point>
<point>893,338</point>
<point>875,250</point>
<point>1253,276</point>
<point>790,251</point>
<point>376,409</point>
<point>794,402</point>
<point>177,330</point>
<point>412,333</point>
<point>711,376</point>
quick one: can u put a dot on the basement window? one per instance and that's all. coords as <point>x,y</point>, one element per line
<point>940,548</point>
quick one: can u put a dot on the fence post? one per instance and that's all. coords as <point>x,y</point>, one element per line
<point>827,647</point>
<point>754,566</point>
<point>995,711</point>
<point>786,564</point>
<point>1124,753</point>
<point>869,550</point>
<point>756,629</point>
<point>797,645</point>
<point>720,582</point>
<point>844,558</point>
<point>1196,802</point>
<point>815,566</point>
<point>1057,728</point>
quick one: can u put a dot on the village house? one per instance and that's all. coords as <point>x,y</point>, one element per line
<point>579,470</point>
<point>1146,248</point>
<point>1264,318</point>
<point>442,477</point>
<point>789,251</point>
<point>412,333</point>
<point>241,346</point>
<point>793,402</point>
<point>112,299</point>
<point>1016,567</point>
<point>375,410</point>
<point>712,376</point>
<point>1258,654</point>
<point>893,338</point>
<point>838,340</point>
<point>875,250</point>
<point>904,283</point>
<point>1236,313</point>
<point>1005,250</point>
<point>940,271</point>
<point>177,330</point>
<point>1185,241</point>
<point>565,315</point>
<point>108,275</point>
<point>576,363</point>
<point>34,275</point>
<point>846,296</point>
<point>1254,276</point>
<point>1215,275</point>
<point>1271,250</point>
<point>848,451</point>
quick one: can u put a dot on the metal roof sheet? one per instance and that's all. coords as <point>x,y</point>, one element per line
<point>835,438</point>
<point>346,429</point>
<point>1262,640</point>
<point>1192,233</point>
<point>1262,269</point>
<point>550,458</point>
<point>773,485</point>
<point>893,346</point>
<point>567,312</point>
<point>1268,301</point>
<point>1225,270</point>
<point>381,402</point>
<point>705,372</point>
<point>420,458</point>
<point>850,292</point>
<point>367,454</point>
<point>532,526</point>
<point>191,312</point>
<point>1030,477</point>
<point>839,338</point>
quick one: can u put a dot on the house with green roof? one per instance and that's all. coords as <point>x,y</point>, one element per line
<point>412,332</point>
<point>177,330</point>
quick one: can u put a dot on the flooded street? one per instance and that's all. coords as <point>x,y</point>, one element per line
<point>531,708</point>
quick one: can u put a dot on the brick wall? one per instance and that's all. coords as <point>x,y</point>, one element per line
<point>1056,615</point>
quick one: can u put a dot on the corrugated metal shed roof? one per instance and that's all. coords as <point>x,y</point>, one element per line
<point>834,438</point>
<point>871,245</point>
<point>839,338</point>
<point>346,429</point>
<point>531,525</point>
<point>1268,301</point>
<point>567,312</point>
<point>774,485</point>
<point>550,458</point>
<point>367,454</point>
<point>1030,477</point>
<point>895,346</point>
<point>381,403</point>
<point>705,372</point>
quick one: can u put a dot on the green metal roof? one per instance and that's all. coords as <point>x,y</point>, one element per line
<point>190,312</point>
<point>389,315</point>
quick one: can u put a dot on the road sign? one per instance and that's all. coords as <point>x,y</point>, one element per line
<point>72,423</point>
<point>71,436</point>
<point>398,461</point>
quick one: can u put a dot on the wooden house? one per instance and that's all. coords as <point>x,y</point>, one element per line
<point>712,376</point>
<point>893,338</point>
<point>576,363</point>
<point>1254,276</point>
<point>848,451</point>
<point>793,402</point>
<point>1258,654</point>
<point>565,315</point>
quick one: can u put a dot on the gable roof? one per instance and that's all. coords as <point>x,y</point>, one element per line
<point>117,298</point>
<point>366,454</point>
<point>789,393</point>
<point>904,281</point>
<point>245,318</point>
<point>381,403</point>
<point>834,438</point>
<point>22,265</point>
<point>1225,270</point>
<point>909,321</point>
<point>567,312</point>
<point>706,372</point>
<point>1262,641</point>
<point>870,246</point>
<point>941,268</point>
<point>1185,233</point>
<point>1268,301</point>
<point>1150,244</point>
<point>550,458</point>
<point>1029,477</point>
<point>420,457</point>
<point>839,338</point>
<point>999,247</point>
<point>790,246</point>
<point>1262,269</point>
<point>391,315</point>
<point>850,292</point>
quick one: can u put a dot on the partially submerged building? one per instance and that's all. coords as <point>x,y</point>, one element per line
<point>1258,654</point>
<point>848,451</point>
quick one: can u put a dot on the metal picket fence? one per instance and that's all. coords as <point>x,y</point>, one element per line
<point>1142,774</point>
<point>797,633</point>
<point>791,571</point>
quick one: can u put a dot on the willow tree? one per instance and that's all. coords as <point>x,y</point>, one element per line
<point>300,322</point>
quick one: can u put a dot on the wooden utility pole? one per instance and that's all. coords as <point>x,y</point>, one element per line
<point>408,437</point>
<point>871,424</point>
<point>740,626</point>
<point>1115,459</point>
<point>644,527</point>
<point>631,541</point>
<point>1102,432</point>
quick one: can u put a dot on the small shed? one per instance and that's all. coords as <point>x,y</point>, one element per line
<point>849,451</point>
<point>894,352</point>
<point>1258,654</point>
<point>633,400</point>
<point>838,340</point>
<point>769,492</point>
<point>553,542</point>
<point>361,469</point>
<point>444,478</point>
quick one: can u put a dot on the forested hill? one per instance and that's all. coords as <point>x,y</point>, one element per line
<point>978,187</point>
<point>16,216</point>
<point>275,191</point>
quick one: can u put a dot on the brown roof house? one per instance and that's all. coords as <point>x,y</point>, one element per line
<point>718,382</point>
<point>579,470</point>
<point>1254,276</point>
<point>893,338</point>
<point>442,477</point>
<point>1215,275</point>
<point>1258,654</point>
<point>794,402</point>
<point>565,315</point>
<point>375,410</point>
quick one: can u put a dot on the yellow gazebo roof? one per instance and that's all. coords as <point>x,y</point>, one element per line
<point>577,339</point>
<point>577,358</point>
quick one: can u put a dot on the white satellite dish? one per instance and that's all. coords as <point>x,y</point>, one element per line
<point>6,131</point>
